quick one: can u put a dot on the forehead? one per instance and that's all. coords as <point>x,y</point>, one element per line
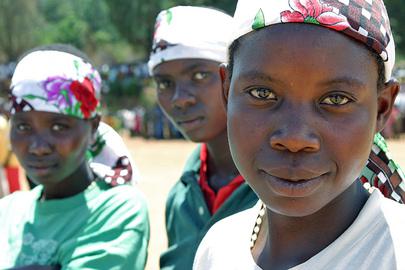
<point>307,51</point>
<point>182,66</point>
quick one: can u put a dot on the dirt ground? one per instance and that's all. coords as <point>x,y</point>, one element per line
<point>160,164</point>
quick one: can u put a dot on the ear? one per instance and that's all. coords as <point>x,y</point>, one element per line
<point>224,73</point>
<point>386,99</point>
<point>95,122</point>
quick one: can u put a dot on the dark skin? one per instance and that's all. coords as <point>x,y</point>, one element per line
<point>51,148</point>
<point>189,92</point>
<point>301,122</point>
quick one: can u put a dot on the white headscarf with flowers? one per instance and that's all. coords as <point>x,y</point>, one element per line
<point>58,82</point>
<point>363,20</point>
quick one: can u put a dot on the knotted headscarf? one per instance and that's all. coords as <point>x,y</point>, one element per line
<point>363,20</point>
<point>58,82</point>
<point>184,32</point>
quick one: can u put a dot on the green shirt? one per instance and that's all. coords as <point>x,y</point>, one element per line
<point>188,218</point>
<point>101,228</point>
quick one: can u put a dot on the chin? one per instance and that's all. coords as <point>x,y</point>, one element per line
<point>195,137</point>
<point>293,207</point>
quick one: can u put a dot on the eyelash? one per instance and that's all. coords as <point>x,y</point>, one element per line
<point>63,127</point>
<point>204,75</point>
<point>21,127</point>
<point>339,97</point>
<point>262,93</point>
<point>167,84</point>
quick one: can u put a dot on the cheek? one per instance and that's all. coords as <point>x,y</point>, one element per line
<point>350,140</point>
<point>74,149</point>
<point>247,135</point>
<point>19,144</point>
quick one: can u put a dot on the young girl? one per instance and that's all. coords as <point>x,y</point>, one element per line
<point>73,219</point>
<point>189,44</point>
<point>307,87</point>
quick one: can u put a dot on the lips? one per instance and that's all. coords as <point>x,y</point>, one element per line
<point>189,123</point>
<point>295,173</point>
<point>293,182</point>
<point>41,168</point>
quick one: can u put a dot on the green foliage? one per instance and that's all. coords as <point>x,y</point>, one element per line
<point>135,21</point>
<point>85,24</point>
<point>396,12</point>
<point>225,5</point>
<point>20,22</point>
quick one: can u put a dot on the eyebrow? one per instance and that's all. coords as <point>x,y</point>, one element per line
<point>188,68</point>
<point>255,75</point>
<point>347,80</point>
<point>260,76</point>
<point>193,66</point>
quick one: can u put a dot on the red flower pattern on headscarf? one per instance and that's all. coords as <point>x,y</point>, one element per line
<point>316,12</point>
<point>84,93</point>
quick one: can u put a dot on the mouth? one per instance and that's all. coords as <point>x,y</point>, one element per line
<point>189,124</point>
<point>41,169</point>
<point>295,186</point>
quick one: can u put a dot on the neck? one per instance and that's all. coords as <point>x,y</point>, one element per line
<point>221,168</point>
<point>74,184</point>
<point>293,240</point>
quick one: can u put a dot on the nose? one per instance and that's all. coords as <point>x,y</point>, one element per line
<point>183,97</point>
<point>295,135</point>
<point>40,146</point>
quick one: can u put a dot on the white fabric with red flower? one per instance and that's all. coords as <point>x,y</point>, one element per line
<point>365,21</point>
<point>58,82</point>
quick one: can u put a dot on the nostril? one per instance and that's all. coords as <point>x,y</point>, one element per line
<point>278,146</point>
<point>295,142</point>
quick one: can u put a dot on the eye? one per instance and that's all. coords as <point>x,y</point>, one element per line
<point>336,100</point>
<point>58,127</point>
<point>198,76</point>
<point>164,84</point>
<point>23,127</point>
<point>262,93</point>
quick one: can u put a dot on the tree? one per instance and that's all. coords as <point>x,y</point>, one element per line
<point>396,11</point>
<point>19,24</point>
<point>135,21</point>
<point>86,24</point>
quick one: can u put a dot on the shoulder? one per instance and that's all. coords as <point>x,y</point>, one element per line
<point>394,215</point>
<point>124,202</point>
<point>16,205</point>
<point>20,196</point>
<point>193,162</point>
<point>189,175</point>
<point>226,239</point>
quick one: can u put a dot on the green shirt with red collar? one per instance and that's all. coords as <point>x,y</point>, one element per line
<point>188,218</point>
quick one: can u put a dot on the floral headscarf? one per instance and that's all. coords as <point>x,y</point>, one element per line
<point>184,32</point>
<point>58,82</point>
<point>363,20</point>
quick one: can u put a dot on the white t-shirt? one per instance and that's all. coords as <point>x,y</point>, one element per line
<point>375,240</point>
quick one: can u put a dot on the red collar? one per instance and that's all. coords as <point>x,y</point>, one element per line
<point>215,200</point>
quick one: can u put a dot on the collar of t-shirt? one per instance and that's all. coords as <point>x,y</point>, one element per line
<point>215,200</point>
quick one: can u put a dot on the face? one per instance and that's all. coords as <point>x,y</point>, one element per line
<point>301,118</point>
<point>189,92</point>
<point>49,146</point>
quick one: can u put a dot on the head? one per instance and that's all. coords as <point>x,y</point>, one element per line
<point>189,44</point>
<point>302,116</point>
<point>55,114</point>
